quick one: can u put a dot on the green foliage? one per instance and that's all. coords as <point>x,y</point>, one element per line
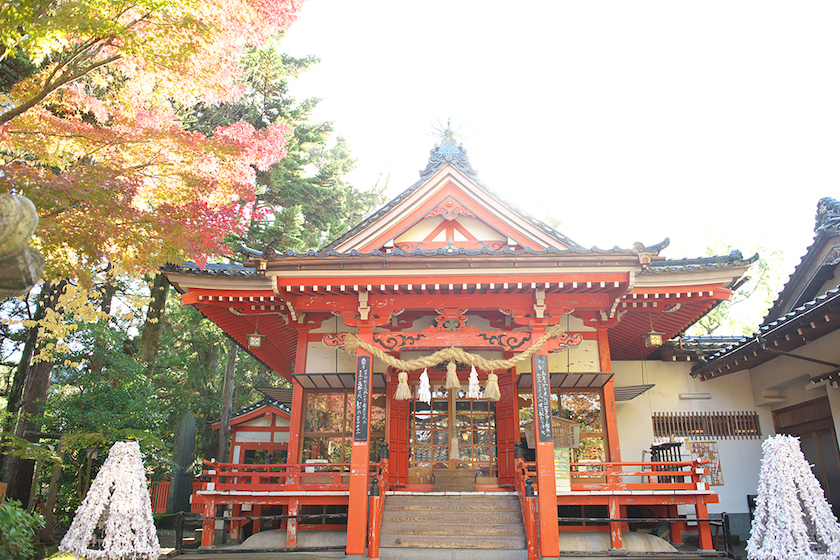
<point>748,305</point>
<point>107,391</point>
<point>18,531</point>
<point>302,200</point>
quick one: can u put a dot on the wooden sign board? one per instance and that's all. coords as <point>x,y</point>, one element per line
<point>360,428</point>
<point>543,394</point>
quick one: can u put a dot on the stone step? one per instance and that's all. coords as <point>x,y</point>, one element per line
<point>438,541</point>
<point>452,522</point>
<point>450,518</point>
<point>452,505</point>
<point>436,528</point>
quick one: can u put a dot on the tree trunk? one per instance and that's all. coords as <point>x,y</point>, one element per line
<point>109,290</point>
<point>19,471</point>
<point>227,400</point>
<point>22,371</point>
<point>150,342</point>
<point>47,300</point>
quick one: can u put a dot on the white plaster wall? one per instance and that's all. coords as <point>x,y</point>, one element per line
<point>259,421</point>
<point>261,437</point>
<point>740,458</point>
<point>322,359</point>
<point>480,230</point>
<point>419,231</point>
<point>577,359</point>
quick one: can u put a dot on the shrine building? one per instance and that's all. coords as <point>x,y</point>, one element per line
<point>453,346</point>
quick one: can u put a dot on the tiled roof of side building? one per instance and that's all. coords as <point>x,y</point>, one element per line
<point>735,258</point>
<point>265,401</point>
<point>827,224</point>
<point>791,321</point>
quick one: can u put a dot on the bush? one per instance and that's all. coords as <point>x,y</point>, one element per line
<point>17,532</point>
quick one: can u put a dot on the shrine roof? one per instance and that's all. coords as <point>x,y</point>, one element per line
<point>796,328</point>
<point>733,259</point>
<point>396,252</point>
<point>265,401</point>
<point>452,153</point>
<point>657,267</point>
<point>211,269</point>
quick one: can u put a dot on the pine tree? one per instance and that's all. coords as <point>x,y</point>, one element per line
<point>302,201</point>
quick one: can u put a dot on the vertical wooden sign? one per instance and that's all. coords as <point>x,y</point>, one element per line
<point>543,404</point>
<point>360,428</point>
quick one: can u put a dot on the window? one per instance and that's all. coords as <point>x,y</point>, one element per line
<point>328,425</point>
<point>264,456</point>
<point>705,425</point>
<point>453,432</point>
<point>583,407</point>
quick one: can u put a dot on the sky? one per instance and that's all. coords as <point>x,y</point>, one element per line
<point>702,122</point>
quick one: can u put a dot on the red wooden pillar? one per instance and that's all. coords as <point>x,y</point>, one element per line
<point>292,523</point>
<point>360,455</point>
<point>296,419</point>
<point>507,427</point>
<point>208,527</point>
<point>256,524</point>
<point>236,524</point>
<point>676,527</point>
<point>544,444</point>
<point>616,538</point>
<point>704,531</point>
<point>610,422</point>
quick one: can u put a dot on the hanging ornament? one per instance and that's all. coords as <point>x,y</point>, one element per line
<point>424,393</point>
<point>475,389</point>
<point>452,382</point>
<point>454,450</point>
<point>403,392</point>
<point>491,390</point>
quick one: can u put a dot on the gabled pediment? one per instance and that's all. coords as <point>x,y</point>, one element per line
<point>450,209</point>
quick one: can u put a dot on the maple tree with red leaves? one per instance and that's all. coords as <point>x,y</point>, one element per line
<point>94,127</point>
<point>97,98</point>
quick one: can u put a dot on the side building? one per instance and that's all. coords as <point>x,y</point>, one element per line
<point>791,366</point>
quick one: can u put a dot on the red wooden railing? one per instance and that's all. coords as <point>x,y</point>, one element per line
<point>682,475</point>
<point>159,492</point>
<point>528,505</point>
<point>375,507</point>
<point>279,477</point>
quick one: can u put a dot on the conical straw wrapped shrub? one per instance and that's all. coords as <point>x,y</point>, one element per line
<point>114,521</point>
<point>792,520</point>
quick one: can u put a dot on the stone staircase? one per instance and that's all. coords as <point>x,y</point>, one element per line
<point>462,521</point>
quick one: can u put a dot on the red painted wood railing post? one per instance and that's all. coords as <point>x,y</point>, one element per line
<point>208,528</point>
<point>527,503</point>
<point>235,524</point>
<point>375,514</point>
<point>292,523</point>
<point>616,538</point>
<point>531,532</point>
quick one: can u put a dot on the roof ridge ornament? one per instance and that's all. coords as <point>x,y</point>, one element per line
<point>828,216</point>
<point>449,150</point>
